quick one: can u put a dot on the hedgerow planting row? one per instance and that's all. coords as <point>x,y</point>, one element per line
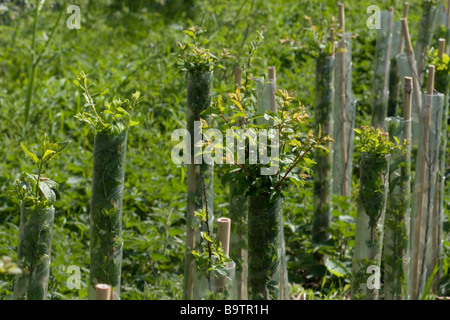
<point>257,142</point>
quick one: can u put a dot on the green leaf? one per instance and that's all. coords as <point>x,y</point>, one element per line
<point>30,154</point>
<point>174,232</point>
<point>47,192</point>
<point>336,268</point>
<point>158,257</point>
<point>59,147</point>
<point>48,153</point>
<point>133,123</point>
<point>238,104</point>
<point>429,283</point>
<point>206,237</point>
<point>189,33</point>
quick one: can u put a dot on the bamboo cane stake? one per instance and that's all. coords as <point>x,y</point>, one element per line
<point>408,105</point>
<point>332,40</point>
<point>273,88</point>
<point>448,14</point>
<point>223,233</point>
<point>412,62</point>
<point>441,48</point>
<point>103,292</point>
<point>430,83</point>
<point>342,17</point>
<point>448,25</point>
<point>401,43</point>
<point>342,98</point>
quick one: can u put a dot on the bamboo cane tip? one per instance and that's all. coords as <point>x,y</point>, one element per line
<point>272,73</point>
<point>224,220</point>
<point>405,9</point>
<point>391,9</point>
<point>103,291</point>
<point>342,16</point>
<point>408,82</point>
<point>441,48</point>
<point>404,22</point>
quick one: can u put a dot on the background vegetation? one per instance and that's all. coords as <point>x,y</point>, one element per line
<point>130,46</point>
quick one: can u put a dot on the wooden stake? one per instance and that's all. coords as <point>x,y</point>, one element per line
<point>441,49</point>
<point>405,16</point>
<point>406,35</point>
<point>430,84</point>
<point>412,62</point>
<point>223,233</point>
<point>342,17</point>
<point>332,40</point>
<point>342,87</point>
<point>273,88</point>
<point>448,14</point>
<point>407,105</point>
<point>405,9</point>
<point>103,292</point>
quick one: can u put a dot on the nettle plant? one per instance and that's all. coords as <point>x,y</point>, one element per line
<point>117,114</point>
<point>34,190</point>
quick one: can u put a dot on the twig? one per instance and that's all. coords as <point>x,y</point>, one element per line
<point>292,167</point>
